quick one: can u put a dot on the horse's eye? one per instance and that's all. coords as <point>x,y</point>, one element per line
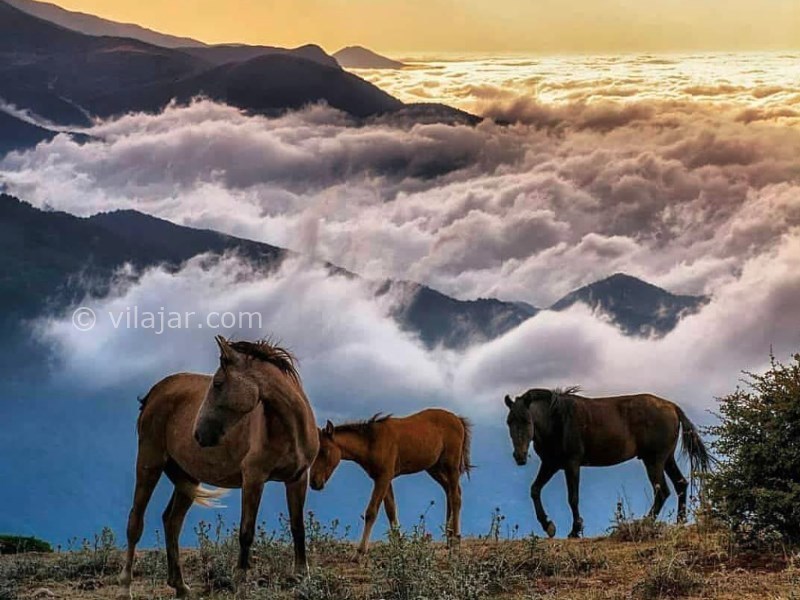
<point>217,384</point>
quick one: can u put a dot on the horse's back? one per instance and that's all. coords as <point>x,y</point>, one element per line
<point>618,428</point>
<point>651,421</point>
<point>181,391</point>
<point>424,438</point>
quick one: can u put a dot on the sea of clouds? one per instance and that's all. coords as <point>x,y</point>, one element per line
<point>680,170</point>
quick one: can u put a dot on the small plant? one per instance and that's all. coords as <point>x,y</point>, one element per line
<point>324,585</point>
<point>626,528</point>
<point>217,549</point>
<point>406,568</point>
<point>670,576</point>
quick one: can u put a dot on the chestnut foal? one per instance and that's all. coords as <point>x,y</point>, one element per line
<point>433,440</point>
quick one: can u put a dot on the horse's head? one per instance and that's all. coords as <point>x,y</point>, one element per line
<point>327,460</point>
<point>233,393</point>
<point>520,426</point>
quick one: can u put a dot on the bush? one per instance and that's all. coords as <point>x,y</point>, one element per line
<point>756,488</point>
<point>15,544</point>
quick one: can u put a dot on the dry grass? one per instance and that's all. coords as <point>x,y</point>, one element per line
<point>677,562</point>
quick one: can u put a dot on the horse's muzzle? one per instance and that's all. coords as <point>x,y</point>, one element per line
<point>521,460</point>
<point>206,439</point>
<point>317,486</point>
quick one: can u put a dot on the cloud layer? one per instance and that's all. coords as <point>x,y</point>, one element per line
<point>680,170</point>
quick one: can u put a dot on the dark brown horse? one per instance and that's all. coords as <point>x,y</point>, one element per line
<point>247,424</point>
<point>569,431</point>
<point>436,441</point>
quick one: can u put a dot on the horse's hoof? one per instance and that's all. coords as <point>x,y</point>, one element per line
<point>574,535</point>
<point>550,529</point>
<point>183,591</point>
<point>124,594</point>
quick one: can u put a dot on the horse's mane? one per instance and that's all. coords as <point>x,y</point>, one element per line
<point>364,427</point>
<point>266,351</point>
<point>562,402</point>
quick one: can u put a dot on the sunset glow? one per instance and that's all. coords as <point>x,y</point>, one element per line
<point>547,26</point>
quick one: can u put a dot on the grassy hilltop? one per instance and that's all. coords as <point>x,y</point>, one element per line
<point>638,559</point>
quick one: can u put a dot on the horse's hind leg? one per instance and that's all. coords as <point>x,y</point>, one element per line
<point>173,518</point>
<point>390,506</point>
<point>296,500</point>
<point>679,481</point>
<point>149,466</point>
<point>573,476</point>
<point>442,481</point>
<point>454,500</point>
<point>655,472</point>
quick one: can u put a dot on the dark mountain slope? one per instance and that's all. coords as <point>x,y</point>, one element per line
<point>266,84</point>
<point>441,320</point>
<point>97,26</point>
<point>49,260</point>
<point>225,53</point>
<point>42,63</point>
<point>635,306</point>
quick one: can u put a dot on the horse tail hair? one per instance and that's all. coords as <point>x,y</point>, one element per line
<point>700,461</point>
<point>203,496</point>
<point>207,497</point>
<point>465,468</point>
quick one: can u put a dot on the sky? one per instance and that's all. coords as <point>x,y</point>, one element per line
<point>440,26</point>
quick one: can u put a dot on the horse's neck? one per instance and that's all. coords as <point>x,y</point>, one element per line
<point>542,421</point>
<point>354,446</point>
<point>281,402</point>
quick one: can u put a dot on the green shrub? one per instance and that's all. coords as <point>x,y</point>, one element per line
<point>756,488</point>
<point>16,544</point>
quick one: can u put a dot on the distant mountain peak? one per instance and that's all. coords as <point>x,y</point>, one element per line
<point>635,306</point>
<point>358,57</point>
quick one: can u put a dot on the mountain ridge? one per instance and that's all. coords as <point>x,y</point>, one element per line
<point>42,251</point>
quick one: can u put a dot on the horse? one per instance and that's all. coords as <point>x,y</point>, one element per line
<point>249,423</point>
<point>433,440</point>
<point>569,431</point>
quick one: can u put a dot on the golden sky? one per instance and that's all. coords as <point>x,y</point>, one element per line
<point>550,26</point>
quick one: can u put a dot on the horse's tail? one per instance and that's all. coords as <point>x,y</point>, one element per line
<point>700,461</point>
<point>201,495</point>
<point>465,468</point>
<point>207,497</point>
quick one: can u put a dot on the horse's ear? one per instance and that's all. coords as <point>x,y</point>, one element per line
<point>329,429</point>
<point>509,401</point>
<point>225,351</point>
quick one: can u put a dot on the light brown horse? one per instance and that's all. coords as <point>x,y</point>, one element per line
<point>247,424</point>
<point>569,431</point>
<point>433,440</point>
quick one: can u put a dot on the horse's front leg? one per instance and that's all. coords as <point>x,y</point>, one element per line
<point>382,483</point>
<point>545,474</point>
<point>251,499</point>
<point>296,499</point>
<point>573,476</point>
